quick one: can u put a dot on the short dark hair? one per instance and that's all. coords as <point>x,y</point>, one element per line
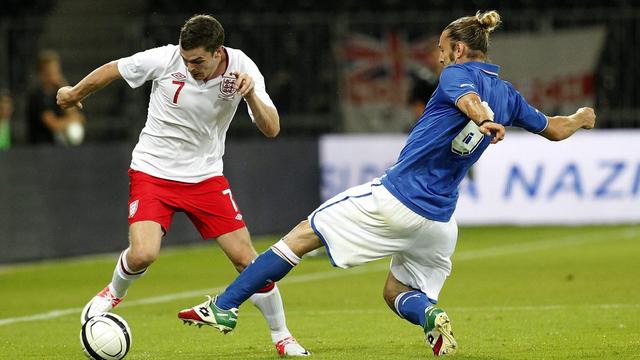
<point>202,31</point>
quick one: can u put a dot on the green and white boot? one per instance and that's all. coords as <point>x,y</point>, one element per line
<point>208,313</point>
<point>438,333</point>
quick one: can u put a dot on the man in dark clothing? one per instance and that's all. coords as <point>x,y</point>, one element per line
<point>48,123</point>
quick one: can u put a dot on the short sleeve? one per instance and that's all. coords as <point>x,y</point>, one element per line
<point>455,82</point>
<point>528,117</point>
<point>258,84</point>
<point>145,65</point>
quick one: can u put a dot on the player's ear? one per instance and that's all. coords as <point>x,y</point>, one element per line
<point>459,49</point>
<point>218,52</point>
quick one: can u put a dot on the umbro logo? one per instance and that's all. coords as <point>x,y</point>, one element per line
<point>179,76</point>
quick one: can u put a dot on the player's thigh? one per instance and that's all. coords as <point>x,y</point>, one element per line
<point>238,247</point>
<point>212,209</point>
<point>302,239</point>
<point>145,238</point>
<point>427,264</point>
<point>149,200</point>
<point>359,225</point>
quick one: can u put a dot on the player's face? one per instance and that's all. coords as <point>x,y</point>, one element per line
<point>201,64</point>
<point>446,52</point>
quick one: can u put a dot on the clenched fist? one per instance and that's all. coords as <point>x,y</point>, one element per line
<point>66,99</point>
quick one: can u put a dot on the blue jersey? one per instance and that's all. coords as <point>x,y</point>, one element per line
<point>445,143</point>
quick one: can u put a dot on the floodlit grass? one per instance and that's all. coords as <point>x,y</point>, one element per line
<point>515,293</point>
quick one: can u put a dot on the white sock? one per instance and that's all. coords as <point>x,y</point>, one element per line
<point>284,251</point>
<point>123,276</point>
<point>270,305</point>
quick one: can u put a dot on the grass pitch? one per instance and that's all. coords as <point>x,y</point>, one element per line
<point>515,293</point>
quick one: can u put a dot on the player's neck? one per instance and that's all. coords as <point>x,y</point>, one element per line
<point>222,67</point>
<point>466,59</point>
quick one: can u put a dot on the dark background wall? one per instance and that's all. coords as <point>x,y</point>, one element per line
<point>59,202</point>
<point>294,43</point>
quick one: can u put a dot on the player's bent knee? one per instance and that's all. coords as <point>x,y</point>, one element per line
<point>389,294</point>
<point>390,298</point>
<point>141,258</point>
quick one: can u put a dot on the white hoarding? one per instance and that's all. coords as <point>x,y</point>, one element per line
<point>593,177</point>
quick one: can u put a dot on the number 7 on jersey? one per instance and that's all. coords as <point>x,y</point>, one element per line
<point>180,86</point>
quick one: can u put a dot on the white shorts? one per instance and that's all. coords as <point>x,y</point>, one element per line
<point>366,223</point>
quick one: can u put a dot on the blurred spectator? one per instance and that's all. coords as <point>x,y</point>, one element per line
<point>48,123</point>
<point>6,110</point>
<point>425,81</point>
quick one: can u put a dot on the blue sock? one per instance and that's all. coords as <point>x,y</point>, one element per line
<point>411,305</point>
<point>265,269</point>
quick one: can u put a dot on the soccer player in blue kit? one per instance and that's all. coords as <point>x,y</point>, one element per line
<point>407,213</point>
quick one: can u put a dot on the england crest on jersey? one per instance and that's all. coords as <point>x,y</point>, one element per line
<point>227,87</point>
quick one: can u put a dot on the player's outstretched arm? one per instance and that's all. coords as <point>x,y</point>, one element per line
<point>471,105</point>
<point>561,127</point>
<point>68,96</point>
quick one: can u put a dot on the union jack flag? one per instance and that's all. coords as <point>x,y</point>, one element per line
<point>376,70</point>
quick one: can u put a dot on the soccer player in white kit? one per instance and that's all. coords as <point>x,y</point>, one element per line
<point>177,163</point>
<point>407,213</point>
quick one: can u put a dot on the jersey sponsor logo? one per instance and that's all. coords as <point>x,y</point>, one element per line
<point>133,208</point>
<point>227,88</point>
<point>467,85</point>
<point>179,76</point>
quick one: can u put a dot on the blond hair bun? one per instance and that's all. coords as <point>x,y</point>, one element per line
<point>488,20</point>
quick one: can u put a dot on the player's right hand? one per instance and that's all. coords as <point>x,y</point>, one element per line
<point>66,100</point>
<point>495,130</point>
<point>588,117</point>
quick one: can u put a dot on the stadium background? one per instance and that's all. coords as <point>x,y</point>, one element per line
<point>312,57</point>
<point>516,292</point>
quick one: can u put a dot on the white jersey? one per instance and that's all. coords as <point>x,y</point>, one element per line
<point>187,120</point>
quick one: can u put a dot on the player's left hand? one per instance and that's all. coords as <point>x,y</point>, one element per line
<point>495,130</point>
<point>244,84</point>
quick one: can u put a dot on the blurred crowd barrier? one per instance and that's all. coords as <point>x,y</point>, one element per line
<point>350,72</point>
<point>60,202</point>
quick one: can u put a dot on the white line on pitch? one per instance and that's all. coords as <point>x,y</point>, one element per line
<point>570,240</point>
